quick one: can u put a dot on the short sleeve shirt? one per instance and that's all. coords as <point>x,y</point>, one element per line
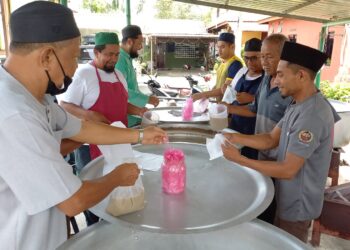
<point>233,69</point>
<point>84,90</point>
<point>135,96</point>
<point>34,177</point>
<point>269,107</point>
<point>306,131</point>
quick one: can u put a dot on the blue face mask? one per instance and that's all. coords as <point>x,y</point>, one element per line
<point>51,86</point>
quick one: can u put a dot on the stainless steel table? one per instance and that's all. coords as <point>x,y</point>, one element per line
<point>254,235</point>
<point>173,114</point>
<point>219,194</point>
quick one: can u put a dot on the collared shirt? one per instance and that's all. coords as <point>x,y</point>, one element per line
<point>269,107</point>
<point>34,177</point>
<point>306,131</point>
<point>227,70</point>
<point>136,97</point>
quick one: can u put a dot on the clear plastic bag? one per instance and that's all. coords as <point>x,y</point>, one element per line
<point>218,118</point>
<point>124,200</point>
<point>149,118</point>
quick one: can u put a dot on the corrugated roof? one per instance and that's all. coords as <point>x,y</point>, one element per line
<point>311,10</point>
<point>174,26</point>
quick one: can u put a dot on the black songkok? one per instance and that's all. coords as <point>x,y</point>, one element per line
<point>227,37</point>
<point>131,31</point>
<point>253,45</point>
<point>303,55</point>
<point>42,22</point>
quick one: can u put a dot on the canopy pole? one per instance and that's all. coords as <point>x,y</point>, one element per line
<point>128,16</point>
<point>323,34</point>
<point>63,2</point>
<point>6,12</point>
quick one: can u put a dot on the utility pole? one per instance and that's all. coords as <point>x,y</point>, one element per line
<point>6,10</point>
<point>128,16</point>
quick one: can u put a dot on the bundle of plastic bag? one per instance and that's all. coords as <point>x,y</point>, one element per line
<point>187,111</point>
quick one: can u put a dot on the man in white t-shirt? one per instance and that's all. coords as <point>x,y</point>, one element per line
<point>37,187</point>
<point>99,93</point>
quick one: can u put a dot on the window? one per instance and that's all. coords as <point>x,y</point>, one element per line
<point>186,50</point>
<point>292,38</point>
<point>328,47</point>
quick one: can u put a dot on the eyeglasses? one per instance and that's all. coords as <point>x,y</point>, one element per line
<point>251,58</point>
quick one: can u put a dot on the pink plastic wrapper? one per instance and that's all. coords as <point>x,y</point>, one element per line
<point>187,111</point>
<point>173,171</point>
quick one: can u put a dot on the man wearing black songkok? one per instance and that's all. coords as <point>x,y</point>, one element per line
<point>131,44</point>
<point>37,187</point>
<point>304,139</point>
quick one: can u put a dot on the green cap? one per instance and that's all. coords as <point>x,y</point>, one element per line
<point>103,38</point>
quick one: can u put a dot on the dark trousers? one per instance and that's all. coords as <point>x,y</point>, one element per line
<point>299,229</point>
<point>269,214</point>
<point>82,157</point>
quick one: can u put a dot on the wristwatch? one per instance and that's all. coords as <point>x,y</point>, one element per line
<point>140,136</point>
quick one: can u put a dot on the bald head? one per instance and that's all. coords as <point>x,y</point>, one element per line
<point>276,39</point>
<point>271,52</point>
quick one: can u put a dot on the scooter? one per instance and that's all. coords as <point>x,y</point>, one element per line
<point>156,88</point>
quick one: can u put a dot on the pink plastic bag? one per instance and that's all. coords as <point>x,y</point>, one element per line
<point>173,171</point>
<point>187,111</point>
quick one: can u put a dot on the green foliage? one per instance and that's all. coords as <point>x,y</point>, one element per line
<point>336,91</point>
<point>101,6</point>
<point>168,9</point>
<point>164,8</point>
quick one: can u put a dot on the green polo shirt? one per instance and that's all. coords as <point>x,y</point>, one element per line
<point>135,96</point>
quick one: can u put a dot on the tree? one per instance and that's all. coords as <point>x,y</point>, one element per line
<point>101,6</point>
<point>165,9</point>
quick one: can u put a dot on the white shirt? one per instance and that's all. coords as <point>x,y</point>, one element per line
<point>34,177</point>
<point>84,90</point>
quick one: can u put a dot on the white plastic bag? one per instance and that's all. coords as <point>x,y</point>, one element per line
<point>229,95</point>
<point>214,145</point>
<point>122,200</point>
<point>149,118</point>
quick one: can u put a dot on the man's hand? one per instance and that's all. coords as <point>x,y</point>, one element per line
<point>231,137</point>
<point>231,153</point>
<point>197,96</point>
<point>154,135</point>
<point>153,100</point>
<point>142,111</point>
<point>97,117</point>
<point>244,98</point>
<point>127,174</point>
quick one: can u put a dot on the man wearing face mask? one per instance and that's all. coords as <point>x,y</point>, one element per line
<point>37,186</point>
<point>131,44</point>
